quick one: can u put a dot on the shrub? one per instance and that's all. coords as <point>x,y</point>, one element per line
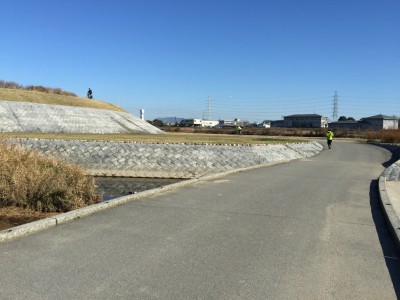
<point>37,88</point>
<point>384,136</point>
<point>10,85</point>
<point>57,91</point>
<point>29,180</point>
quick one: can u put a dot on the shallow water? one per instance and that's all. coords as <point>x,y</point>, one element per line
<point>114,187</point>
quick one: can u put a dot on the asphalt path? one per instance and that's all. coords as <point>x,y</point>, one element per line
<point>309,229</point>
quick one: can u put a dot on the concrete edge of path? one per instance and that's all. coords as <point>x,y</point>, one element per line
<point>392,218</point>
<point>40,225</point>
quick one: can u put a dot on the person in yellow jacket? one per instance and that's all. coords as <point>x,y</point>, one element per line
<point>329,138</point>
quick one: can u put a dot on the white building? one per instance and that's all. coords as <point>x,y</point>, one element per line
<point>198,123</point>
<point>265,124</point>
<point>208,123</point>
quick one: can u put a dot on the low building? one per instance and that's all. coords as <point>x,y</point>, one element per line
<point>379,122</point>
<point>374,122</point>
<point>208,123</point>
<point>344,125</point>
<point>198,123</point>
<point>226,123</point>
<point>265,124</point>
<point>191,123</point>
<point>305,121</point>
<point>234,123</point>
<point>278,123</point>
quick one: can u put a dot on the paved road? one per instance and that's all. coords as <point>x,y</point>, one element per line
<point>309,229</point>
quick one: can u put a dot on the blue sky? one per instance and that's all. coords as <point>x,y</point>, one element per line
<point>255,59</point>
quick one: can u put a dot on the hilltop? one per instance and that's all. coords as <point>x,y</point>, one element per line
<point>20,95</point>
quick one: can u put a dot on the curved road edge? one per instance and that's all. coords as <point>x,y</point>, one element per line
<point>391,216</point>
<point>388,200</point>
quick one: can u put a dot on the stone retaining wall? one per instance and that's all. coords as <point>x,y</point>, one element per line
<point>165,160</point>
<point>392,172</point>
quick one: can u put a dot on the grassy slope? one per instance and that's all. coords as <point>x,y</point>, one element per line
<point>53,99</point>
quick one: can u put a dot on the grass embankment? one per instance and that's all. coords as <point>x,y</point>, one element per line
<point>31,184</point>
<point>171,138</point>
<point>54,99</point>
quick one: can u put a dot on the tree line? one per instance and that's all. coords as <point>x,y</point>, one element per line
<point>38,88</point>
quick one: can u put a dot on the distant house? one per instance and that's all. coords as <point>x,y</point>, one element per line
<point>305,121</point>
<point>374,122</point>
<point>379,122</point>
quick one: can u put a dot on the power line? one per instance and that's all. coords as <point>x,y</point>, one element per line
<point>256,108</point>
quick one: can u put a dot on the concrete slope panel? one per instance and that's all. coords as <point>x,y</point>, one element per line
<point>32,117</point>
<point>8,120</point>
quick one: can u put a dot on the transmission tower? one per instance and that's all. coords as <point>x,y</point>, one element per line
<point>209,108</point>
<point>335,106</point>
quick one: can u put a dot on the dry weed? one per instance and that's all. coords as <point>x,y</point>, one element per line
<point>391,136</point>
<point>29,180</point>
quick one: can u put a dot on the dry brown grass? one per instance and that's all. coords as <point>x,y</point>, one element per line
<point>14,216</point>
<point>54,99</point>
<point>29,180</point>
<point>171,138</point>
<point>391,136</point>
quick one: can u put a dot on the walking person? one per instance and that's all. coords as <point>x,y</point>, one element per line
<point>329,138</point>
<point>89,94</point>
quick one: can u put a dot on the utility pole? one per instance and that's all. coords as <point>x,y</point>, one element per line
<point>209,108</point>
<point>335,106</point>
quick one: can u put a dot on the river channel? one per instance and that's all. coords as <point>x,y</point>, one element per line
<point>114,187</point>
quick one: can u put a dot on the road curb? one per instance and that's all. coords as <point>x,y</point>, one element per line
<point>390,215</point>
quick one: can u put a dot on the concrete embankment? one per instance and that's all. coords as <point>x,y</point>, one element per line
<point>33,117</point>
<point>166,160</point>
